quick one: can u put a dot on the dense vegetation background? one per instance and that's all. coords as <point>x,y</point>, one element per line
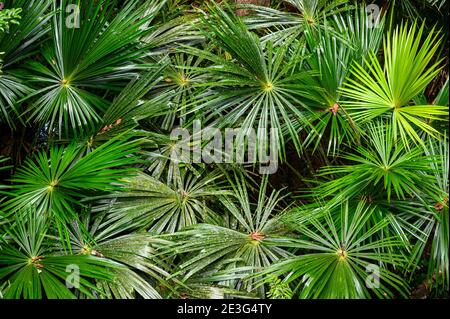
<point>93,204</point>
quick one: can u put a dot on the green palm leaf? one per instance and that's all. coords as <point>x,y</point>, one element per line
<point>15,45</point>
<point>254,85</point>
<point>53,183</point>
<point>381,168</point>
<point>34,270</point>
<point>101,54</point>
<point>135,252</point>
<point>433,220</point>
<point>242,244</point>
<point>338,255</point>
<point>387,92</point>
<point>145,202</point>
<point>282,25</point>
<point>347,39</point>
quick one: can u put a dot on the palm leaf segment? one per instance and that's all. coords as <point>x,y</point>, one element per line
<point>97,55</point>
<point>34,269</point>
<point>244,243</point>
<point>339,255</point>
<point>387,92</point>
<point>54,183</point>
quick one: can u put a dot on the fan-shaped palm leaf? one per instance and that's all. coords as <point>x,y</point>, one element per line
<point>135,252</point>
<point>15,45</point>
<point>282,25</point>
<point>244,243</point>
<point>258,87</point>
<point>344,40</point>
<point>146,202</point>
<point>387,92</point>
<point>33,269</point>
<point>338,254</point>
<point>54,183</point>
<point>384,168</point>
<point>100,54</point>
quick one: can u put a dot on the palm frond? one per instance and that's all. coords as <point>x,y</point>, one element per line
<point>338,256</point>
<point>244,243</point>
<point>53,183</point>
<point>387,92</point>
<point>34,269</point>
<point>100,54</point>
<point>147,203</point>
<point>383,167</point>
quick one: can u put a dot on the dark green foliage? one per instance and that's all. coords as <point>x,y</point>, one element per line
<point>107,203</point>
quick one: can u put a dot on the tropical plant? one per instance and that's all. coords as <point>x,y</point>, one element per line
<point>258,86</point>
<point>387,92</point>
<point>281,25</point>
<point>384,168</point>
<point>134,137</point>
<point>8,17</point>
<point>136,253</point>
<point>331,55</point>
<point>16,43</point>
<point>54,183</point>
<point>339,251</point>
<point>245,241</point>
<point>100,53</point>
<point>34,268</point>
<point>148,203</point>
